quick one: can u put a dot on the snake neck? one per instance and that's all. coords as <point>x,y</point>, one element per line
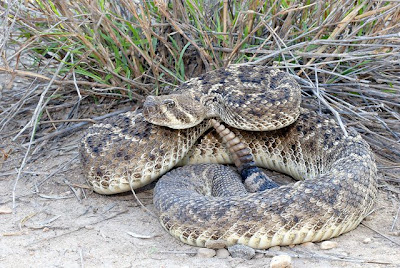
<point>212,106</point>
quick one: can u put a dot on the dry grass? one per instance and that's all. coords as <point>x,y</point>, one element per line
<point>346,55</point>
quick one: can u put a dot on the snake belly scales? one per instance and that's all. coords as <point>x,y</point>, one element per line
<point>337,176</point>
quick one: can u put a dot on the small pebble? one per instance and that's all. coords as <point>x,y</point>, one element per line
<point>241,251</point>
<point>5,210</point>
<point>222,253</point>
<point>328,245</point>
<point>308,245</point>
<point>281,261</point>
<point>89,227</point>
<point>206,253</point>
<point>275,248</point>
<point>367,240</point>
<point>216,244</point>
<point>46,229</point>
<point>395,233</point>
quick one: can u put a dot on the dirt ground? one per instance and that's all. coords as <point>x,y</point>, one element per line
<point>57,221</point>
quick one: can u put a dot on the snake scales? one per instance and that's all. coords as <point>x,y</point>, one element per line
<point>206,202</point>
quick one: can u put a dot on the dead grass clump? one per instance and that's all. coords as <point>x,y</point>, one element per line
<point>345,53</point>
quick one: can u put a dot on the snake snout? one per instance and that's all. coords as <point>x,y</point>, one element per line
<point>149,106</point>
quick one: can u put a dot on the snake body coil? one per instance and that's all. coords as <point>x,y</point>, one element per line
<point>205,202</point>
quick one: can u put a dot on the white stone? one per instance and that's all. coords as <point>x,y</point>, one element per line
<point>308,245</point>
<point>5,210</point>
<point>206,253</point>
<point>328,245</point>
<point>367,240</point>
<point>222,253</point>
<point>281,261</point>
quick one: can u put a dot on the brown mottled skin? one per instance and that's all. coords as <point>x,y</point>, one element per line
<point>199,203</point>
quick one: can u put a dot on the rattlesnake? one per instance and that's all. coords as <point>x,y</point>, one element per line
<point>336,173</point>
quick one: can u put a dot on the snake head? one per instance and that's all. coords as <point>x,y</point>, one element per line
<point>177,111</point>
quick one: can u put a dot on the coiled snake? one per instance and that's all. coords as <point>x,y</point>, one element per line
<point>207,202</point>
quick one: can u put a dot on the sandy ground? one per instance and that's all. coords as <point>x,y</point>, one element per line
<point>57,221</point>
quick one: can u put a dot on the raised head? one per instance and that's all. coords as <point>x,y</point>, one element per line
<point>177,111</point>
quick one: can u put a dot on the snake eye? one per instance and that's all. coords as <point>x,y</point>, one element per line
<point>169,103</point>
